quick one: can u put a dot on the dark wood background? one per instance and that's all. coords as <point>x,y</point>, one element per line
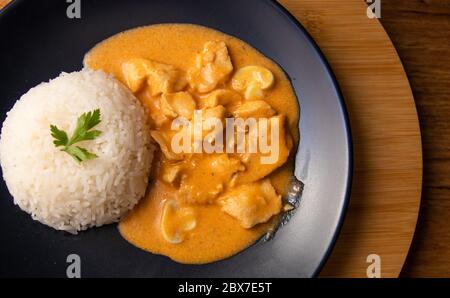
<point>420,30</point>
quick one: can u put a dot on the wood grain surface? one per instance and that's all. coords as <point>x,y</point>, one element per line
<point>388,168</point>
<point>3,3</point>
<point>387,148</point>
<point>420,31</point>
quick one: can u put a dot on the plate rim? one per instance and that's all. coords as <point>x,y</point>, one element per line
<point>348,187</point>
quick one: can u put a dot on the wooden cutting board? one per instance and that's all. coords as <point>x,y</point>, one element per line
<point>387,181</point>
<point>3,3</point>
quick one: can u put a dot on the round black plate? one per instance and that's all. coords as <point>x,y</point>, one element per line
<point>39,41</point>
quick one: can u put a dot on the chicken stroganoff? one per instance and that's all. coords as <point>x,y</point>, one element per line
<point>204,206</point>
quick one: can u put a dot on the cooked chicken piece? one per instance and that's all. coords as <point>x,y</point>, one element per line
<point>218,112</point>
<point>252,80</point>
<point>135,72</point>
<point>165,146</point>
<point>213,66</point>
<point>223,97</point>
<point>160,77</point>
<point>179,104</point>
<point>211,118</point>
<point>215,112</point>
<point>171,172</point>
<point>176,221</point>
<point>212,124</point>
<point>251,204</point>
<point>254,109</point>
<point>159,119</point>
<point>153,105</point>
<point>259,165</point>
<point>163,78</point>
<point>206,177</point>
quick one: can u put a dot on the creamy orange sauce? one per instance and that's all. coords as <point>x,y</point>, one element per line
<point>216,234</point>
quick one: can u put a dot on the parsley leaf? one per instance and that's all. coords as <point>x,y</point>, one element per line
<point>60,136</point>
<point>82,132</point>
<point>79,154</point>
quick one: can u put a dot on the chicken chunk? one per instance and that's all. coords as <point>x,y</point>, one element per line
<point>223,97</point>
<point>252,204</point>
<point>210,119</point>
<point>159,77</point>
<point>135,72</point>
<point>179,104</point>
<point>153,105</point>
<point>163,78</point>
<point>165,146</point>
<point>218,112</point>
<point>259,165</point>
<point>213,66</point>
<point>255,109</point>
<point>171,171</point>
<point>207,177</point>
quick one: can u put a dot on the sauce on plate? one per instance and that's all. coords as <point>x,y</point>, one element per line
<point>201,208</point>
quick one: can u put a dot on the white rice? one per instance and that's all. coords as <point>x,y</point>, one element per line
<point>48,183</point>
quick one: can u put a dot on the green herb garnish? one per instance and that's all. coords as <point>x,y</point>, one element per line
<point>82,132</point>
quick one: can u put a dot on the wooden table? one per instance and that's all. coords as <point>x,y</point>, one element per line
<point>420,31</point>
<point>387,183</point>
<point>387,149</point>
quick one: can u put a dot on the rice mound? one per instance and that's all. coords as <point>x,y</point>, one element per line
<point>46,182</point>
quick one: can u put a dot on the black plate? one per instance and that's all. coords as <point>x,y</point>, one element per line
<point>38,42</point>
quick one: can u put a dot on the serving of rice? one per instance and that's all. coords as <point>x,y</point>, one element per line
<point>48,183</point>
